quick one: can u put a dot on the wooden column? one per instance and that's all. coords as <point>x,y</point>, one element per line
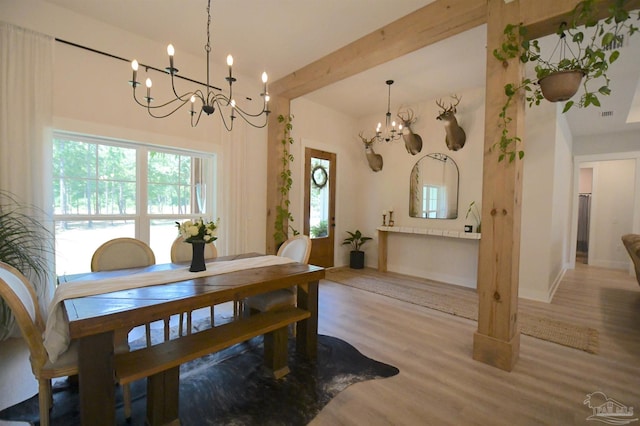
<point>279,106</point>
<point>497,341</point>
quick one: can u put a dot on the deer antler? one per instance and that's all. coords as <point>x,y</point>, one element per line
<point>441,105</point>
<point>409,120</point>
<point>452,106</point>
<point>366,141</point>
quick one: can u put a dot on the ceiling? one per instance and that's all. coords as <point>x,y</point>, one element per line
<point>281,36</point>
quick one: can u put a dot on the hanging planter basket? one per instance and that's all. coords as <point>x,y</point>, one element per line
<point>561,86</point>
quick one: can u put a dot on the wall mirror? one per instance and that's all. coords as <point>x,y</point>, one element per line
<point>433,187</point>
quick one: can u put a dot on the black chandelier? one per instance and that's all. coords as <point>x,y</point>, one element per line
<point>390,132</point>
<point>210,99</point>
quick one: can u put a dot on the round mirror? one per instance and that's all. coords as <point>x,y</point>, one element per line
<point>433,187</point>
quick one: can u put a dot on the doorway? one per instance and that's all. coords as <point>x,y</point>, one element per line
<point>585,188</point>
<point>613,208</point>
<point>584,218</point>
<point>319,204</point>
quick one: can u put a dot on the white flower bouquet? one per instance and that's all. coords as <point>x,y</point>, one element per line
<point>198,231</point>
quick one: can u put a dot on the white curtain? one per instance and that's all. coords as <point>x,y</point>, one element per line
<point>26,110</point>
<point>233,229</point>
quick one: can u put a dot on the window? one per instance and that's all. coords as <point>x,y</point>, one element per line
<point>434,201</point>
<point>319,198</point>
<point>105,189</point>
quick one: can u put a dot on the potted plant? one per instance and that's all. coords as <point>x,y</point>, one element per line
<point>27,245</point>
<point>356,239</point>
<point>559,79</point>
<point>473,211</point>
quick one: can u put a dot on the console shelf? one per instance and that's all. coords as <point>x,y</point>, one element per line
<point>383,232</point>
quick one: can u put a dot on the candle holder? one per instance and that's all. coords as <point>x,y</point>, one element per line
<point>384,220</point>
<point>391,222</point>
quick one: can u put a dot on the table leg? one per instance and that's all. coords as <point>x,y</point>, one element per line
<point>276,355</point>
<point>96,377</point>
<point>307,330</point>
<point>162,398</point>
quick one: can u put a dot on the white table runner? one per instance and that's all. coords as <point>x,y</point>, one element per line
<point>56,337</point>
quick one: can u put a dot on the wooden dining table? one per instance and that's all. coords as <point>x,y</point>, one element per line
<point>94,319</point>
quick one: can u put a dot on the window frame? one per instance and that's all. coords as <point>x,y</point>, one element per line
<point>142,219</point>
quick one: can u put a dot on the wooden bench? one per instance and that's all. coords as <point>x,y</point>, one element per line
<point>156,359</point>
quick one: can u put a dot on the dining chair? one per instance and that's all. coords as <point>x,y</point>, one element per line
<point>182,251</point>
<point>21,298</point>
<point>297,248</point>
<point>122,253</point>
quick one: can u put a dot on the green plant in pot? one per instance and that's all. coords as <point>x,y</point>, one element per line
<point>586,49</point>
<point>475,214</point>
<point>356,240</point>
<point>27,245</point>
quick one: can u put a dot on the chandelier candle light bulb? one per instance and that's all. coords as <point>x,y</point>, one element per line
<point>171,51</point>
<point>148,83</point>
<point>134,67</point>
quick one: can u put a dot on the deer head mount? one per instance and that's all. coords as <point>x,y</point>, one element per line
<point>374,160</point>
<point>455,134</point>
<point>412,141</point>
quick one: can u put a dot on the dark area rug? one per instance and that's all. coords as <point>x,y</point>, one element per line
<point>231,388</point>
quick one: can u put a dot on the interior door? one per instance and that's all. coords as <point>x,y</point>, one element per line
<point>319,204</point>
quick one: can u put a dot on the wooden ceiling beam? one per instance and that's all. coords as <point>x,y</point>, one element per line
<point>428,25</point>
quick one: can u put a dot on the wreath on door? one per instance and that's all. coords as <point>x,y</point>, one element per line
<point>319,176</point>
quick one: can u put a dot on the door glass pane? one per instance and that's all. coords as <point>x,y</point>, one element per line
<point>319,197</point>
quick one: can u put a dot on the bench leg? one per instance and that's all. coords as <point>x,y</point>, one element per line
<point>275,352</point>
<point>162,398</point>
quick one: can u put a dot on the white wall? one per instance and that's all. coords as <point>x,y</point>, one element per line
<point>537,193</point>
<point>585,184</point>
<point>607,143</point>
<point>560,238</point>
<point>611,212</point>
<point>546,202</point>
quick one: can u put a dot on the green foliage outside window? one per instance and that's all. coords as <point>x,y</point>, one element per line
<point>320,230</point>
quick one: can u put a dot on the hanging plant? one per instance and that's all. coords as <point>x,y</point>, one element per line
<point>283,214</point>
<point>595,51</point>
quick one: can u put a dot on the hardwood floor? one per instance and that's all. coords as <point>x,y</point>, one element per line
<point>439,382</point>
